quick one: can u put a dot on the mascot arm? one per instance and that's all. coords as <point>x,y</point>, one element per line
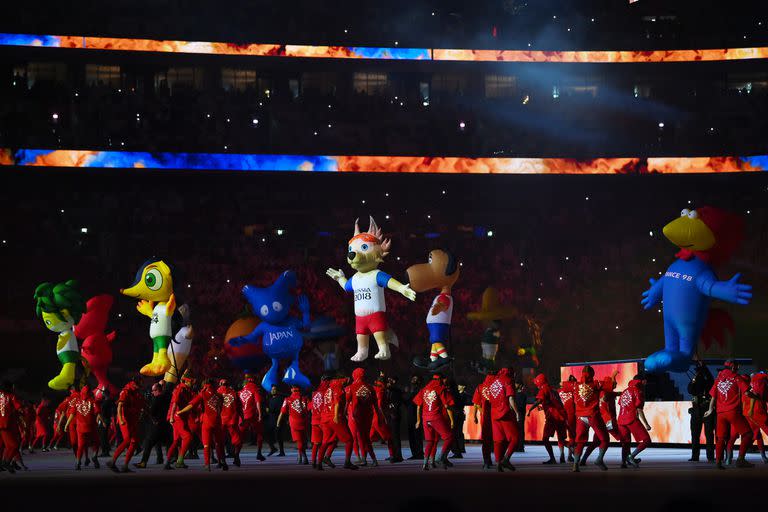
<point>305,312</point>
<point>145,307</point>
<point>249,338</point>
<point>652,295</point>
<point>170,306</point>
<point>729,291</point>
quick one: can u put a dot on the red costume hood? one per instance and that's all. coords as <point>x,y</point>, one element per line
<point>435,383</point>
<point>358,374</point>
<point>540,380</point>
<point>728,229</point>
<point>634,383</point>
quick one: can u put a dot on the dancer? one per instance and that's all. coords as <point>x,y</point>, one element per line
<point>727,395</point>
<point>295,406</point>
<point>333,425</point>
<point>699,388</point>
<point>71,405</point>
<point>481,402</point>
<point>504,415</point>
<point>42,424</point>
<point>433,404</point>
<point>10,421</point>
<point>587,397</point>
<point>755,410</point>
<point>632,420</point>
<point>608,414</point>
<point>250,404</point>
<point>182,435</point>
<point>567,389</point>
<point>156,424</point>
<point>361,405</point>
<point>212,431</point>
<point>366,252</point>
<point>231,417</point>
<point>555,417</point>
<point>59,415</point>
<point>130,405</point>
<point>317,430</point>
<point>86,415</point>
<point>379,427</point>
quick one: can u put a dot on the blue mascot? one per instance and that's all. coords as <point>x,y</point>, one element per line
<point>707,237</point>
<point>278,330</point>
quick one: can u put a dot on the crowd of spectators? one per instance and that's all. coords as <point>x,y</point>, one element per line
<point>534,120</point>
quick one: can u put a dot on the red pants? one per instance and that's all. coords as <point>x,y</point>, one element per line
<point>11,441</point>
<point>73,436</point>
<point>130,441</point>
<point>212,433</point>
<point>235,437</point>
<point>361,429</point>
<point>735,423</point>
<point>583,425</point>
<point>434,429</point>
<point>381,429</point>
<point>570,426</point>
<point>637,430</point>
<point>298,434</point>
<point>182,437</point>
<point>42,434</point>
<point>551,428</point>
<point>332,434</point>
<point>86,440</point>
<point>317,440</point>
<point>505,434</point>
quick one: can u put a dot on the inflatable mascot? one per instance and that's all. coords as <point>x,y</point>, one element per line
<point>439,273</point>
<point>153,287</point>
<point>278,330</point>
<point>60,307</point>
<point>707,237</point>
<point>365,253</point>
<point>97,345</point>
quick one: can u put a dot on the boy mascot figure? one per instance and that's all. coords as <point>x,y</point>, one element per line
<point>439,273</point>
<point>707,237</point>
<point>61,306</point>
<point>365,253</point>
<point>153,287</point>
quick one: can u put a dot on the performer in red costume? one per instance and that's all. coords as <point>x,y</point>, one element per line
<point>28,431</point>
<point>361,405</point>
<point>504,415</point>
<point>481,402</point>
<point>566,393</point>
<point>11,420</point>
<point>727,395</point>
<point>608,413</point>
<point>71,403</point>
<point>212,431</point>
<point>317,430</point>
<point>587,397</point>
<point>231,416</point>
<point>130,405</point>
<point>379,425</point>
<point>250,404</point>
<point>632,420</point>
<point>295,406</point>
<point>555,417</point>
<point>43,423</point>
<point>59,415</point>
<point>433,404</point>
<point>754,410</point>
<point>182,435</point>
<point>87,413</point>
<point>333,425</point>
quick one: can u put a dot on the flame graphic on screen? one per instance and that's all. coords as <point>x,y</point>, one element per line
<point>351,52</point>
<point>402,164</point>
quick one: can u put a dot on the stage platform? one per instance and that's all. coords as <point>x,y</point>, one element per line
<point>665,481</point>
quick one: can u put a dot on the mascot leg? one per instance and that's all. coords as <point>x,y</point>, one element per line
<point>64,379</point>
<point>662,360</point>
<point>270,378</point>
<point>362,348</point>
<point>293,375</point>
<point>381,340</point>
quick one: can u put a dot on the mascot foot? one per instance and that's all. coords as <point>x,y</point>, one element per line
<point>294,377</point>
<point>360,355</point>
<point>60,383</point>
<point>438,363</point>
<point>421,362</point>
<point>383,354</point>
<point>667,361</point>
